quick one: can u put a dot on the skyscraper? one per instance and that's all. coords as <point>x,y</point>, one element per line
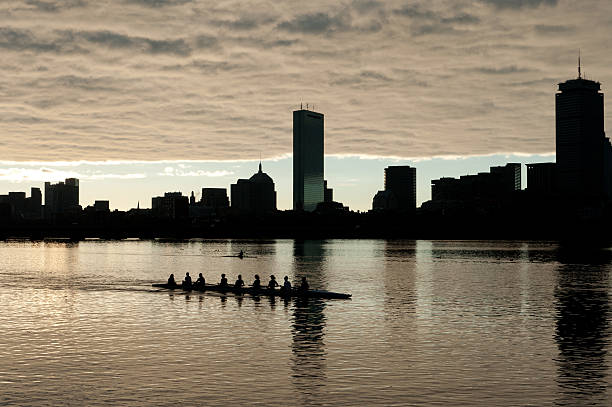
<point>308,189</point>
<point>401,181</point>
<point>62,197</point>
<point>583,152</point>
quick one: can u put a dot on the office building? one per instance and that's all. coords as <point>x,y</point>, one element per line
<point>328,193</point>
<point>385,201</point>
<point>173,205</point>
<point>506,179</point>
<point>497,184</point>
<point>542,179</point>
<point>62,197</point>
<point>255,195</point>
<point>401,181</point>
<point>308,188</point>
<point>34,204</point>
<point>583,152</point>
<point>215,198</point>
<point>101,206</point>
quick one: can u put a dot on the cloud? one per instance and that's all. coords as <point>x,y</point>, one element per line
<point>44,174</point>
<point>317,23</point>
<point>180,81</point>
<point>158,3</point>
<point>520,3</point>
<point>115,40</point>
<point>173,172</point>
<point>553,29</point>
<point>425,21</point>
<point>54,6</point>
<point>70,41</point>
<point>504,70</point>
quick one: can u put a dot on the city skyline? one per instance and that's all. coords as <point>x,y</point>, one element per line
<point>128,104</point>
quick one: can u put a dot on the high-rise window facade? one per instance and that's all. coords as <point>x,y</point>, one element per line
<point>308,189</point>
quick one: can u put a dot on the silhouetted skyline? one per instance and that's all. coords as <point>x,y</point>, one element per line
<point>583,175</point>
<point>119,97</point>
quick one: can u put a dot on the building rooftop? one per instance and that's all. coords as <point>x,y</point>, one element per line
<point>261,177</point>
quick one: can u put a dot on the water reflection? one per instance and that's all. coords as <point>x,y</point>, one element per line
<point>399,283</point>
<point>308,324</point>
<point>582,328</point>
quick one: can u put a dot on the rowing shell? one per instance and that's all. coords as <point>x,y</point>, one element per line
<point>255,292</point>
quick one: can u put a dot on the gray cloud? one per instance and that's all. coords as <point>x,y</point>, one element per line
<point>159,3</point>
<point>317,23</point>
<point>245,23</point>
<point>502,71</point>
<point>23,40</point>
<point>367,6</point>
<point>520,3</point>
<point>194,80</point>
<point>55,6</point>
<point>553,29</point>
<point>68,41</point>
<point>120,41</point>
<point>425,21</point>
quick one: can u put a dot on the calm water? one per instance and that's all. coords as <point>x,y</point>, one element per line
<point>430,323</point>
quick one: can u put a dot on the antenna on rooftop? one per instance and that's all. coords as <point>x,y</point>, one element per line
<point>579,65</point>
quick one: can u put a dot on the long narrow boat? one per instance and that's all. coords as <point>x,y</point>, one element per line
<point>261,292</point>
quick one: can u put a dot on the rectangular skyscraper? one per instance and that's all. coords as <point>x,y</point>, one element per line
<point>308,189</point>
<point>62,197</point>
<point>401,181</point>
<point>582,151</point>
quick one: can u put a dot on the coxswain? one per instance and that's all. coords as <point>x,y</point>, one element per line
<point>239,283</point>
<point>223,281</point>
<point>257,283</point>
<point>272,283</point>
<point>304,286</point>
<point>187,281</point>
<point>171,282</point>
<point>200,282</point>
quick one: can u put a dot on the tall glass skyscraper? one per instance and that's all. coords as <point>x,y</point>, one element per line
<point>308,189</point>
<point>583,152</point>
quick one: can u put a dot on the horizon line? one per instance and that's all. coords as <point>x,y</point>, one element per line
<point>416,159</point>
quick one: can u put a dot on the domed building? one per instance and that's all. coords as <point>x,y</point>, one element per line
<point>254,195</point>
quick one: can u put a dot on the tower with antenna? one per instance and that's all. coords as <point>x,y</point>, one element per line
<point>583,152</point>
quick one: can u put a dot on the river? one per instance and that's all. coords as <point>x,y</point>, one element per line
<point>450,323</point>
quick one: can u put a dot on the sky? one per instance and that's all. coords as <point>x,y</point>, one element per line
<point>140,97</point>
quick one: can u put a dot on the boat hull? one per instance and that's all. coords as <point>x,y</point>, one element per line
<point>260,292</point>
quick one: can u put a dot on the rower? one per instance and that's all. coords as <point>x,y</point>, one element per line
<point>241,254</point>
<point>223,281</point>
<point>257,283</point>
<point>187,281</point>
<point>304,286</point>
<point>272,283</point>
<point>239,283</point>
<point>200,282</point>
<point>171,282</point>
<point>286,289</point>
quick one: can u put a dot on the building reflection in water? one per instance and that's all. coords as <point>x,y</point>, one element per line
<point>308,326</point>
<point>399,276</point>
<point>582,327</point>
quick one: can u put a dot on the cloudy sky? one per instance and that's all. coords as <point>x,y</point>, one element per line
<point>138,97</point>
